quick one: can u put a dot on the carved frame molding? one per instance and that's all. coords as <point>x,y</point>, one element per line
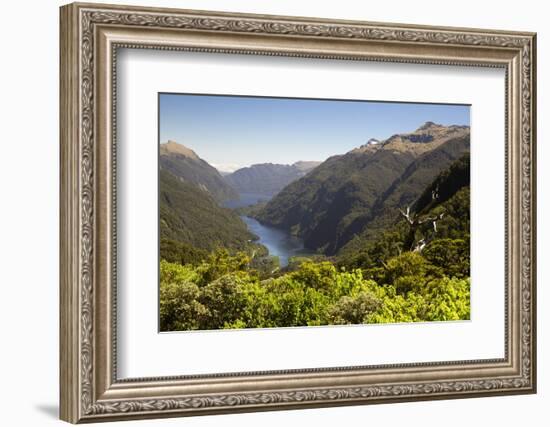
<point>90,37</point>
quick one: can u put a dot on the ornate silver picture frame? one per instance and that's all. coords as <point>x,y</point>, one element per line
<point>91,34</point>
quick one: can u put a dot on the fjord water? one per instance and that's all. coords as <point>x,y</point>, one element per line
<point>246,199</point>
<point>279,242</point>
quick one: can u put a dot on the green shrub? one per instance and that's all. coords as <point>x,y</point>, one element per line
<point>451,255</point>
<point>354,310</point>
<point>224,291</point>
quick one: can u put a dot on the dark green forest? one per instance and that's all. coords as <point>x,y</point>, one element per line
<point>189,216</point>
<point>388,227</point>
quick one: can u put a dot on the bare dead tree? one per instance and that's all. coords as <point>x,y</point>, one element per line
<point>416,222</point>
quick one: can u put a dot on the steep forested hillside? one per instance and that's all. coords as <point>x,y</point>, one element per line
<point>347,194</point>
<point>189,215</point>
<point>319,206</point>
<point>185,163</point>
<point>445,201</point>
<point>405,189</point>
<point>267,178</point>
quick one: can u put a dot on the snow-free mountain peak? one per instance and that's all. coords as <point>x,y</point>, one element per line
<point>177,148</point>
<point>187,166</point>
<point>371,145</point>
<point>428,125</point>
<point>427,137</point>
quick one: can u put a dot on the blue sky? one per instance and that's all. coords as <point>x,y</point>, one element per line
<point>231,131</point>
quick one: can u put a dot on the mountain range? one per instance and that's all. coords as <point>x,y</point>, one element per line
<point>268,178</point>
<point>358,194</point>
<point>336,206</point>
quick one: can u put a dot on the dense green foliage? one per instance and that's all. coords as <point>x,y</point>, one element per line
<point>181,253</point>
<point>225,291</point>
<point>449,248</point>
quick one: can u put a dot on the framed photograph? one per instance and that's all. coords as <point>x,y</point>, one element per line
<point>266,212</point>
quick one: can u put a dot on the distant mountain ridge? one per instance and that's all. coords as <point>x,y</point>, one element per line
<point>363,188</point>
<point>268,178</point>
<point>185,164</point>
